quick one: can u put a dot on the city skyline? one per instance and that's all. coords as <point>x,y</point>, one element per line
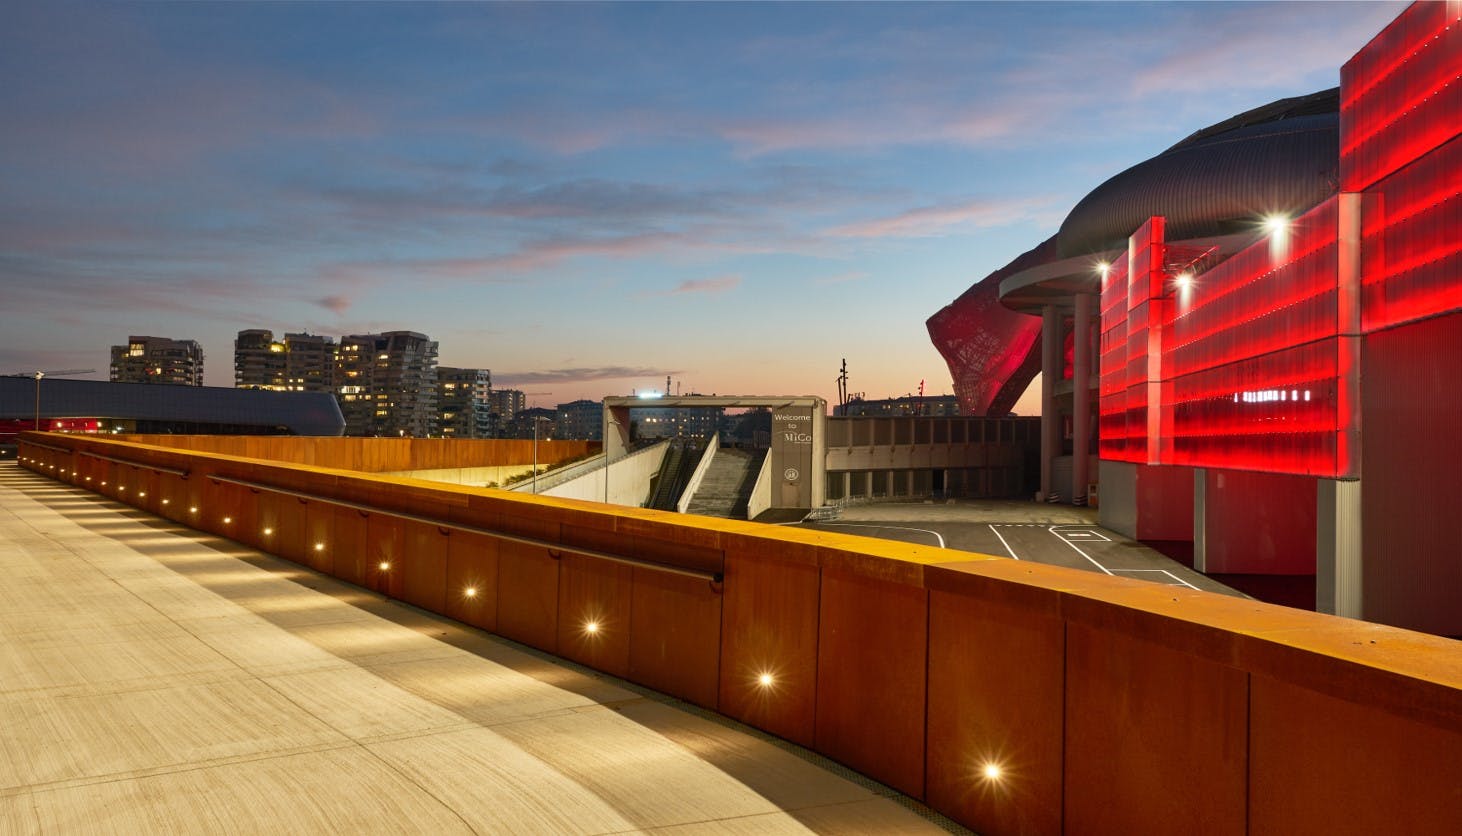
<point>588,198</point>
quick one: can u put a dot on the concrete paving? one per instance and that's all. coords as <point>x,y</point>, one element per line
<point>154,679</point>
<point>1061,535</point>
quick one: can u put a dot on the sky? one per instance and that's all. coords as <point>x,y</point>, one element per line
<point>586,198</point>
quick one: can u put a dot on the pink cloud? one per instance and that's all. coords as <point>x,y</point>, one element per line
<point>927,221</point>
<point>717,284</point>
<point>337,303</point>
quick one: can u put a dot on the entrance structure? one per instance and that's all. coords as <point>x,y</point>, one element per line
<point>796,463</point>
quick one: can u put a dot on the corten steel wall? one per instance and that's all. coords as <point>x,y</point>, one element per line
<point>1110,705</point>
<point>375,455</point>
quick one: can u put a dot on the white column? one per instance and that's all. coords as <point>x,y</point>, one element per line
<point>1338,564</point>
<point>1052,343</point>
<point>1081,399</point>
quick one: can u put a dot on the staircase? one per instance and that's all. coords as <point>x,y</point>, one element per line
<point>726,488</point>
<point>680,461</point>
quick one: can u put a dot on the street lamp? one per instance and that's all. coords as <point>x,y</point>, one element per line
<point>536,419</point>
<point>37,425</point>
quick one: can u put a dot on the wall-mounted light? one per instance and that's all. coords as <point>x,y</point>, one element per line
<point>167,501</point>
<point>227,520</point>
<point>469,592</point>
<point>591,628</point>
<point>268,531</point>
<point>384,565</point>
<point>765,679</point>
<point>319,547</point>
<point>193,509</point>
<point>991,771</point>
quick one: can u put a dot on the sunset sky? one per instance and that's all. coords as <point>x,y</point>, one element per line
<point>585,198</point>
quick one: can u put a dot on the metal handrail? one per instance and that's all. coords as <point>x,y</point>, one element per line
<point>156,468</point>
<point>551,547</point>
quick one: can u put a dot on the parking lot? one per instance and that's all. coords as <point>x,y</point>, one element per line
<point>1053,534</point>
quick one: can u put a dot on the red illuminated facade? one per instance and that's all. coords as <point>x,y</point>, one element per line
<point>1285,395</point>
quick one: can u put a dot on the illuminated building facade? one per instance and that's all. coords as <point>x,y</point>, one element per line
<point>158,360</point>
<point>298,363</point>
<point>463,408</point>
<point>1250,341</point>
<point>581,420</point>
<point>387,384</point>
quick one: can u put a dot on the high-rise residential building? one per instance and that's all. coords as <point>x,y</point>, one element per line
<point>309,362</point>
<point>259,361</point>
<point>387,383</point>
<point>298,363</point>
<point>463,409</point>
<point>505,404</point>
<point>158,360</point>
<point>581,420</point>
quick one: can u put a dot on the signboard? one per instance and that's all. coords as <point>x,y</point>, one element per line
<point>791,453</point>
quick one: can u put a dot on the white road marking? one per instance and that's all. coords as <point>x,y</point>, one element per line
<point>937,535</point>
<point>1003,543</point>
<point>1177,579</point>
<point>1079,533</point>
<point>1053,531</point>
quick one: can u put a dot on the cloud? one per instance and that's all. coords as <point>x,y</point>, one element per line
<point>928,221</point>
<point>1260,39</point>
<point>581,375</point>
<point>336,303</point>
<point>717,284</point>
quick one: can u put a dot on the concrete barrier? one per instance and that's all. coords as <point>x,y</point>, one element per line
<point>1013,697</point>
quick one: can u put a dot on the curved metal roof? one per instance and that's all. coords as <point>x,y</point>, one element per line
<point>299,413</point>
<point>1283,157</point>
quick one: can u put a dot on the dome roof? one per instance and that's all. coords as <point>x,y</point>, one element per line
<point>1282,157</point>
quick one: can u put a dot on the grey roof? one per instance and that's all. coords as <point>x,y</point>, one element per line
<point>300,413</point>
<point>1283,157</point>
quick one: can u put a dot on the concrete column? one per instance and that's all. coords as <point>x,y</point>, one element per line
<point>1338,558</point>
<point>1200,519</point>
<point>1081,399</point>
<point>1052,343</point>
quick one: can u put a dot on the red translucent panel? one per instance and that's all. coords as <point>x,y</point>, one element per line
<point>1411,245</point>
<point>1276,413</point>
<point>1400,96</point>
<point>1279,292</point>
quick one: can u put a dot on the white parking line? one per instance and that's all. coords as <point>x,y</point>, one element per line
<point>1074,533</point>
<point>1003,543</point>
<point>1177,579</point>
<point>1053,528</point>
<point>937,535</point>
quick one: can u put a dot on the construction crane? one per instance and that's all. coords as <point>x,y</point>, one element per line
<point>38,375</point>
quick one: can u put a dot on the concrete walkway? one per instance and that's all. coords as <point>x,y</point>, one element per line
<point>153,679</point>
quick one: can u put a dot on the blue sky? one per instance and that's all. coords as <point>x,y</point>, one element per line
<point>585,198</point>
